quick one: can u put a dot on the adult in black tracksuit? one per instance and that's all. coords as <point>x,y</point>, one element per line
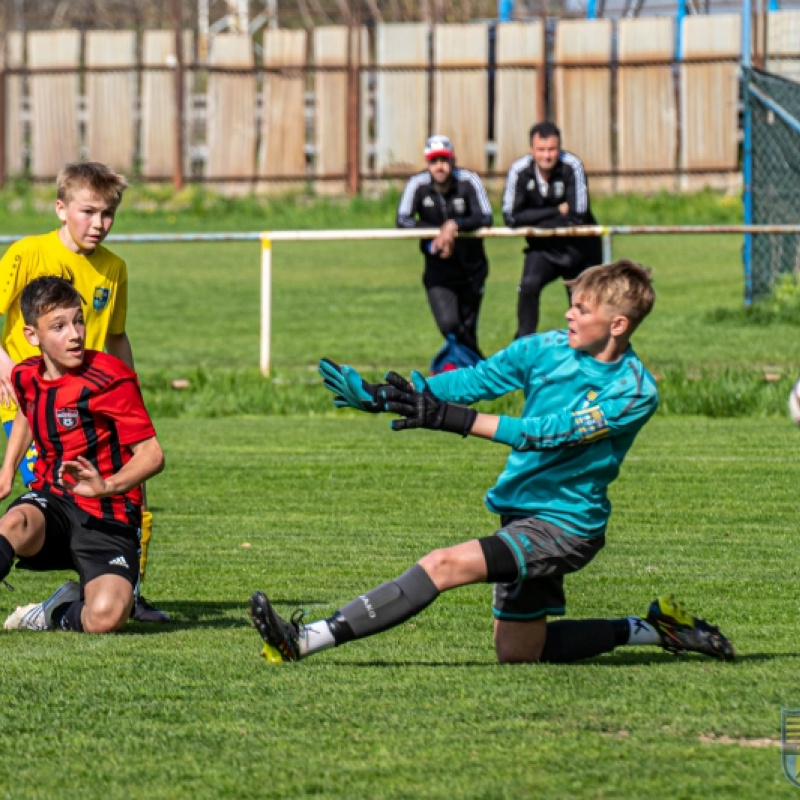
<point>450,199</point>
<point>547,189</point>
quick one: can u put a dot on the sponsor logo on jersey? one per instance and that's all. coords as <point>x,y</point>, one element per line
<point>100,297</point>
<point>558,189</point>
<point>67,417</point>
<point>459,206</point>
<point>428,202</point>
<point>119,561</point>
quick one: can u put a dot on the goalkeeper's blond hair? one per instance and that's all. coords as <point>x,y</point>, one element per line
<point>623,286</point>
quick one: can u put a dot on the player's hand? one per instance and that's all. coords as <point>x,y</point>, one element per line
<point>444,242</point>
<point>6,484</point>
<point>350,390</point>
<point>7,395</point>
<point>422,409</point>
<point>563,208</point>
<point>81,477</point>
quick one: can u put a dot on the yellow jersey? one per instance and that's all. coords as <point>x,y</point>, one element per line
<point>101,279</point>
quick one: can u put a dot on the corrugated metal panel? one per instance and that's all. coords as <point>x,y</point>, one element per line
<point>283,129</point>
<point>709,98</point>
<point>583,95</point>
<point>159,103</point>
<point>15,143</point>
<point>401,122</point>
<point>330,49</point>
<point>231,123</point>
<point>111,98</point>
<point>647,134</point>
<point>783,43</point>
<point>517,101</point>
<point>54,101</point>
<point>461,98</point>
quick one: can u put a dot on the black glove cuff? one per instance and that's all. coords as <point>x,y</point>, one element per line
<point>458,419</point>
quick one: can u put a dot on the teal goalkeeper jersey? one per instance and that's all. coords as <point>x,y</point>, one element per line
<point>580,418</point>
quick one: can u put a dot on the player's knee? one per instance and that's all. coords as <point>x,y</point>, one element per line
<point>16,526</point>
<point>106,614</point>
<point>519,643</point>
<point>438,564</point>
<point>509,655</point>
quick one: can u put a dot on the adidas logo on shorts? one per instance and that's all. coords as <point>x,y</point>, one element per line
<point>119,561</point>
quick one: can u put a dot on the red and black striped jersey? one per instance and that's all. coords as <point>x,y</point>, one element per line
<point>96,411</point>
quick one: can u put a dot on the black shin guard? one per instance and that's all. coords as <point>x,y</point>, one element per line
<point>572,640</point>
<point>6,557</point>
<point>385,606</point>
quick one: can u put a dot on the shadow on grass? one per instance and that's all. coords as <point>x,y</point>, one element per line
<point>616,661</point>
<point>206,614</point>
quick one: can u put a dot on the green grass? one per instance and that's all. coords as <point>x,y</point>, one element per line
<point>331,507</point>
<point>267,487</point>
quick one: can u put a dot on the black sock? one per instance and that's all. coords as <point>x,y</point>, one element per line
<point>68,616</point>
<point>571,640</point>
<point>6,556</point>
<point>384,607</point>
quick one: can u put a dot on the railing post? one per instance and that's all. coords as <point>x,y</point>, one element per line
<point>266,303</point>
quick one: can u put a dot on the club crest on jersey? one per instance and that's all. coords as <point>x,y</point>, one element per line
<point>67,417</point>
<point>459,206</point>
<point>790,744</point>
<point>428,202</point>
<point>589,418</point>
<point>558,189</point>
<point>100,297</point>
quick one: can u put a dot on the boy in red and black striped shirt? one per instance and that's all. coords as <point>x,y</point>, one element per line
<point>97,445</point>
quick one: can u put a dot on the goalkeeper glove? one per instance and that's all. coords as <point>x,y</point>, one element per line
<point>421,409</point>
<point>352,391</point>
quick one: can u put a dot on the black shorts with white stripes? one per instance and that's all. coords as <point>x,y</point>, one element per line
<point>76,540</point>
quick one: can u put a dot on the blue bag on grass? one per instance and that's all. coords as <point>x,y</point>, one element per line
<point>453,355</point>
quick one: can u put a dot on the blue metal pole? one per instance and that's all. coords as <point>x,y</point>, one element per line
<point>679,17</point>
<point>747,155</point>
<point>505,10</point>
<point>591,9</point>
<point>774,5</point>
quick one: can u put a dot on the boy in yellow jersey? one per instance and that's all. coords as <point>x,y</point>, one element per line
<point>88,195</point>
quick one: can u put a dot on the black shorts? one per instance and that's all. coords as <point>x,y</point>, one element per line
<point>74,539</point>
<point>544,554</point>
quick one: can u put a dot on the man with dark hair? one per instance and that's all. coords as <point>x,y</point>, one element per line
<point>547,188</point>
<point>450,199</point>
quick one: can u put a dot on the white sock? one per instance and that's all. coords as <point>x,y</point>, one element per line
<point>314,637</point>
<point>642,632</point>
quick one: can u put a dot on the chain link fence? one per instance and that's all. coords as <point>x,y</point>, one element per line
<point>773,105</point>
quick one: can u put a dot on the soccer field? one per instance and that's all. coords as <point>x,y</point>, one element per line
<point>316,508</point>
<point>330,507</point>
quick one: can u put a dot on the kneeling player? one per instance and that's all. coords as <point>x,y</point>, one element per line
<point>97,445</point>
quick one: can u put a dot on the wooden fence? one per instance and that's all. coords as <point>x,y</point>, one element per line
<point>339,107</point>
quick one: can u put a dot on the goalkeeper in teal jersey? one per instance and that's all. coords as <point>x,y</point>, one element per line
<point>587,395</point>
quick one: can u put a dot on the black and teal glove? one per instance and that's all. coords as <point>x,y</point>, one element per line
<point>420,408</point>
<point>350,390</point>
